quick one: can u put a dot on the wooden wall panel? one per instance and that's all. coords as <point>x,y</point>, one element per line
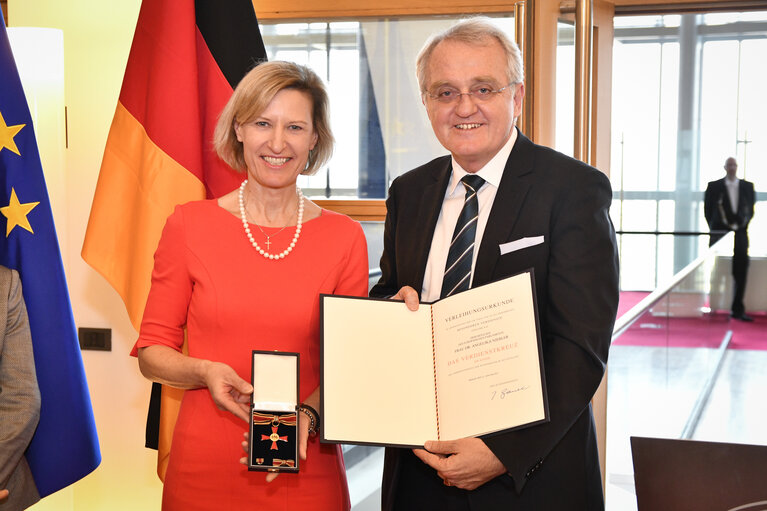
<point>680,5</point>
<point>301,9</point>
<point>363,210</point>
<point>602,86</point>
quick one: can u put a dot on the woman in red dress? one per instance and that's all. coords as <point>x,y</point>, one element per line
<point>245,272</point>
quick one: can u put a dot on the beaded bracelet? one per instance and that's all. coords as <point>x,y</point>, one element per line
<point>314,418</point>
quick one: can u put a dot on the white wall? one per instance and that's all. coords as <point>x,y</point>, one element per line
<point>97,38</point>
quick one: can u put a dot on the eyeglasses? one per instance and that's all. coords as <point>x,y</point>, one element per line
<point>451,95</point>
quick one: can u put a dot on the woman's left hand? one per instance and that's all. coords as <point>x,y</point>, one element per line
<point>303,443</point>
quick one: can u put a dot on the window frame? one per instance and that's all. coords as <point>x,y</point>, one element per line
<point>305,10</point>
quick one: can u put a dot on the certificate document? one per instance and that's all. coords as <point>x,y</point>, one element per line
<point>464,366</point>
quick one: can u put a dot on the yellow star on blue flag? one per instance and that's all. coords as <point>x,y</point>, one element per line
<point>6,135</point>
<point>65,446</point>
<point>16,213</point>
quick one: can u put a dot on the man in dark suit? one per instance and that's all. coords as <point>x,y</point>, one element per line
<point>729,206</point>
<point>533,208</point>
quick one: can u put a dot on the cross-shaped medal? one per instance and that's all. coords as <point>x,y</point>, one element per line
<point>274,437</point>
<point>268,243</point>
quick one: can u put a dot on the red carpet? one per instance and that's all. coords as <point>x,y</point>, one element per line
<point>628,299</point>
<point>705,331</point>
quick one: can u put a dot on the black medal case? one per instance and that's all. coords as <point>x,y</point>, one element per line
<point>273,445</point>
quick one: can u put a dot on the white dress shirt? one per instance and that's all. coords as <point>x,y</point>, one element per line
<point>448,216</point>
<point>732,191</point>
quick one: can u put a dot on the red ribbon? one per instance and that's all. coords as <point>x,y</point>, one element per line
<point>264,418</point>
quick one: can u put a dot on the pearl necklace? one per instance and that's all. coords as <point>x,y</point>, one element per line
<point>245,225</point>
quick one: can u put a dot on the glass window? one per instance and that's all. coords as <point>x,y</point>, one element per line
<point>671,20</point>
<point>640,215</point>
<point>644,115</point>
<point>733,112</point>
<point>757,228</point>
<point>565,112</point>
<point>668,105</point>
<point>751,143</point>
<point>724,18</point>
<point>380,125</point>
<point>637,251</point>
<point>719,107</point>
<point>683,101</point>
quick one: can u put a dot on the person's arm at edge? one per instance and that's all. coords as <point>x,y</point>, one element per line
<point>20,396</point>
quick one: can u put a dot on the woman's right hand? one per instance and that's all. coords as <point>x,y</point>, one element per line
<point>228,390</point>
<point>166,365</point>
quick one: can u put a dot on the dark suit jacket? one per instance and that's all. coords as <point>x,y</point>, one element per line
<point>542,192</point>
<point>719,213</point>
<point>19,395</point>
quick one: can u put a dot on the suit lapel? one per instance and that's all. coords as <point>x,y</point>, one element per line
<point>432,197</point>
<point>506,206</point>
<point>742,206</point>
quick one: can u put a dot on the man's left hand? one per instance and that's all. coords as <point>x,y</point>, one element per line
<point>466,463</point>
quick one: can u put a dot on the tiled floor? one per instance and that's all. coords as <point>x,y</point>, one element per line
<point>365,482</point>
<point>651,393</point>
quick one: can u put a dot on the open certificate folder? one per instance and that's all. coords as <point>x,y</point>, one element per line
<point>464,366</point>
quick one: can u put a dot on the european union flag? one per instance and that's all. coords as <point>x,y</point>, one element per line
<point>65,446</point>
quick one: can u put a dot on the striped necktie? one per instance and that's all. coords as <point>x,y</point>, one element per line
<point>459,257</point>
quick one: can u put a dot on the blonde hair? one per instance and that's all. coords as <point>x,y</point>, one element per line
<point>475,31</point>
<point>254,93</point>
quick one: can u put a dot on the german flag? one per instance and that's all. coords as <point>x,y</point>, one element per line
<point>185,60</point>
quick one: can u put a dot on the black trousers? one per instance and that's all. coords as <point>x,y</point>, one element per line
<point>568,480</point>
<point>740,271</point>
<point>740,262</point>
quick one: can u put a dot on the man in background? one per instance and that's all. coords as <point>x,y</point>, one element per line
<point>729,206</point>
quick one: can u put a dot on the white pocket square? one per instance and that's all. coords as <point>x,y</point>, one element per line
<point>519,244</point>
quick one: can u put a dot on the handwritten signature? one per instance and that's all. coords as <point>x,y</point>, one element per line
<point>505,392</point>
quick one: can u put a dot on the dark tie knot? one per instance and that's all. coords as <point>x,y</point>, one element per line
<point>472,182</point>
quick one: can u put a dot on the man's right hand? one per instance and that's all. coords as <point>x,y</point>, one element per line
<point>409,295</point>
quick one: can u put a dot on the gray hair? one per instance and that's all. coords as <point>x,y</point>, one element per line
<point>476,31</point>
